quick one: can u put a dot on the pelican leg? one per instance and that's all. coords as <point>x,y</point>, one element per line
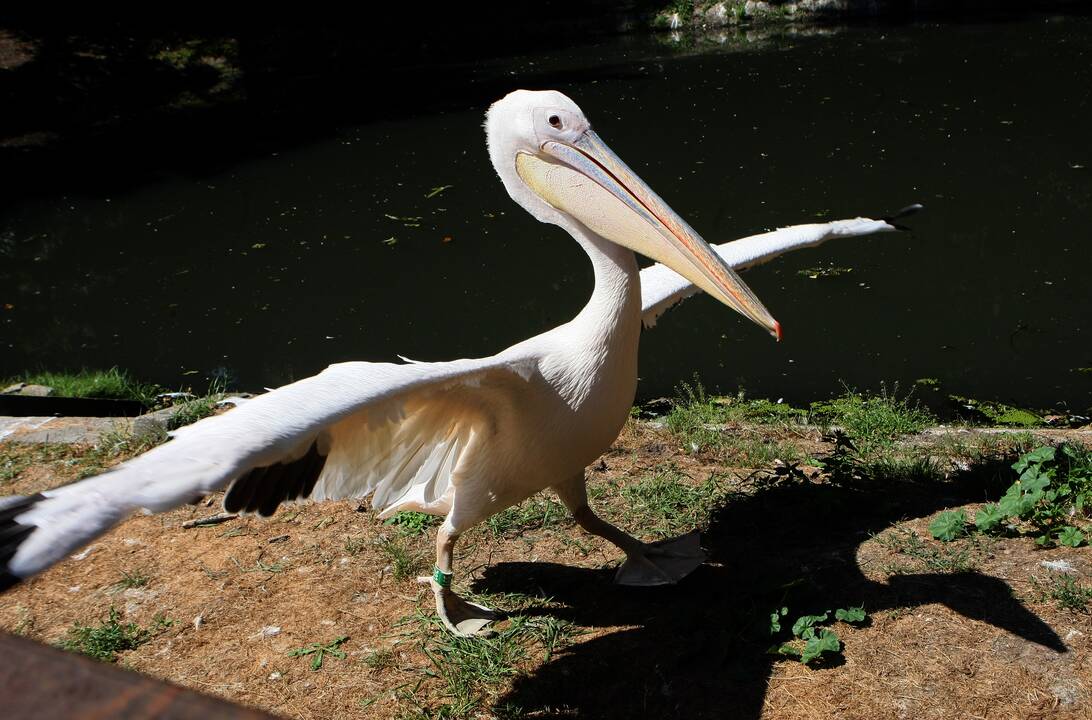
<point>660,563</point>
<point>460,617</point>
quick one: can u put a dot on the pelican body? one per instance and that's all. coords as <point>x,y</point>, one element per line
<point>468,438</point>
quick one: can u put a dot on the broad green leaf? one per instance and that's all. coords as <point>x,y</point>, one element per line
<point>1035,457</point>
<point>988,518</point>
<point>805,623</point>
<point>850,615</point>
<point>825,641</point>
<point>949,525</point>
<point>1070,536</point>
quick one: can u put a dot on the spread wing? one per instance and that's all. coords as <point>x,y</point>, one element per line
<point>661,287</point>
<point>396,432</point>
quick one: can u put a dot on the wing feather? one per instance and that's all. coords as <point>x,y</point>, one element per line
<point>392,431</point>
<point>662,287</point>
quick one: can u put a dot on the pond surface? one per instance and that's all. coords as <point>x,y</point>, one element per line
<point>272,268</point>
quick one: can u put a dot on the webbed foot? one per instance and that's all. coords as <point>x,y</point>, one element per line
<point>662,563</point>
<point>460,617</point>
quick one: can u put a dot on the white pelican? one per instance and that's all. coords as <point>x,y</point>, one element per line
<point>466,438</point>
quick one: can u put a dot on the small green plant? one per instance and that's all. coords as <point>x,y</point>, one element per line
<point>355,545</point>
<point>949,525</point>
<point>999,413</point>
<point>411,523</point>
<point>948,558</point>
<point>380,659</point>
<point>1070,536</point>
<point>810,640</point>
<point>1053,494</point>
<point>404,564</point>
<point>318,651</point>
<point>1065,590</point>
<point>130,579</point>
<point>110,637</point>
<point>988,518</point>
<point>873,421</point>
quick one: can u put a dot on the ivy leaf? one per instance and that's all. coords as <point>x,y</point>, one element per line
<point>988,517</point>
<point>1012,502</point>
<point>850,615</point>
<point>949,525</point>
<point>1036,457</point>
<point>1070,536</point>
<point>775,620</point>
<point>825,641</point>
<point>803,627</point>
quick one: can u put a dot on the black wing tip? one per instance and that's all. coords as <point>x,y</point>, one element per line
<point>904,212</point>
<point>12,533</point>
<point>263,489</point>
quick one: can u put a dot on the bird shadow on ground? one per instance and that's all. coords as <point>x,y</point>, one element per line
<point>699,649</point>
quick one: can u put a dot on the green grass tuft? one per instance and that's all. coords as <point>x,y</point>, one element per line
<point>131,579</point>
<point>950,557</point>
<point>1065,590</point>
<point>191,411</point>
<point>873,421</point>
<point>665,504</point>
<point>412,523</point>
<point>699,421</point>
<point>110,637</point>
<point>404,562</point>
<point>473,670</point>
<point>533,513</point>
<point>112,384</point>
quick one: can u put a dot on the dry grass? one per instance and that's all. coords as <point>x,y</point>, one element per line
<point>955,630</point>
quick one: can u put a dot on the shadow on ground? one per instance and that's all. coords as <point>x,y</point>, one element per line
<point>698,649</point>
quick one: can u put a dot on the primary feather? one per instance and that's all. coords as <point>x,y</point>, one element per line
<point>326,415</point>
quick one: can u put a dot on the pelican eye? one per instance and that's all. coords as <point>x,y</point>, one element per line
<point>554,121</point>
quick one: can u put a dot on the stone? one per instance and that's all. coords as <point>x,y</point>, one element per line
<point>29,390</point>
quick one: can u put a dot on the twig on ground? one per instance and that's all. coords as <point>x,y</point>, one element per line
<point>209,520</point>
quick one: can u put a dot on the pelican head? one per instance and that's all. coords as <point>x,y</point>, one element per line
<point>555,166</point>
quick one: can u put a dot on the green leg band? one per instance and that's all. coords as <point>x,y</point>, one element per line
<point>442,578</point>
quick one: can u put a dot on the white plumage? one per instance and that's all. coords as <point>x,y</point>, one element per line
<point>466,438</point>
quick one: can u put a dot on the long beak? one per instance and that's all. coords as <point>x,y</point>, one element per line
<point>588,181</point>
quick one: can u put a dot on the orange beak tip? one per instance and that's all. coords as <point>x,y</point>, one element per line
<point>777,330</point>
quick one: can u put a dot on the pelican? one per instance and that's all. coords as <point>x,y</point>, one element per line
<point>463,439</point>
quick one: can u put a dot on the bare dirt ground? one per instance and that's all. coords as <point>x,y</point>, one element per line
<point>954,630</point>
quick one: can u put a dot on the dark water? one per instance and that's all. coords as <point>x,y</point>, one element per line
<point>272,268</point>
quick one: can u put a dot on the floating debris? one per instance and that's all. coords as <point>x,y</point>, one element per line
<point>437,190</point>
<point>410,221</point>
<point>818,272</point>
